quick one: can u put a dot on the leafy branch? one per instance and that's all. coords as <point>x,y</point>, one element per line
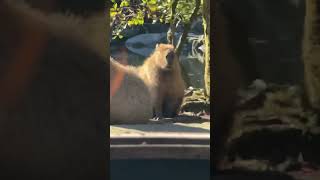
<point>128,13</point>
<point>187,27</point>
<point>172,30</point>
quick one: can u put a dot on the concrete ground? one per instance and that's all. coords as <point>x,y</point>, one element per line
<point>166,128</point>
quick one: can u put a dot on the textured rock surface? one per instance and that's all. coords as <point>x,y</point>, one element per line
<point>274,130</point>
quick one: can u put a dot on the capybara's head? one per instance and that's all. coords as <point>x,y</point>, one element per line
<point>165,56</point>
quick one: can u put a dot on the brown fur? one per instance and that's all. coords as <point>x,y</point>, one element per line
<point>156,85</point>
<point>90,30</point>
<point>163,77</point>
<point>130,102</point>
<point>52,100</point>
<point>125,106</point>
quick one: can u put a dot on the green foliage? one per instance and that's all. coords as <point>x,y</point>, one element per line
<point>185,9</point>
<point>127,13</point>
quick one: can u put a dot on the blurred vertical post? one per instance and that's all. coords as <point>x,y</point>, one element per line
<point>206,27</point>
<point>107,14</point>
<point>311,52</point>
<point>228,77</point>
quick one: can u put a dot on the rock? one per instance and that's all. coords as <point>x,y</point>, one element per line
<point>195,101</point>
<point>275,144</point>
<point>144,44</point>
<point>251,175</point>
<point>311,147</point>
<point>273,126</point>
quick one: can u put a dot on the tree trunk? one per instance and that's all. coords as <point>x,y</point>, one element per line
<point>311,53</point>
<point>206,26</point>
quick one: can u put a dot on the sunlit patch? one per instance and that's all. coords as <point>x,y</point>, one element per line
<point>115,83</point>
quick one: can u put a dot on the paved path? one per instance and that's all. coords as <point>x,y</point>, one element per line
<point>167,128</point>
